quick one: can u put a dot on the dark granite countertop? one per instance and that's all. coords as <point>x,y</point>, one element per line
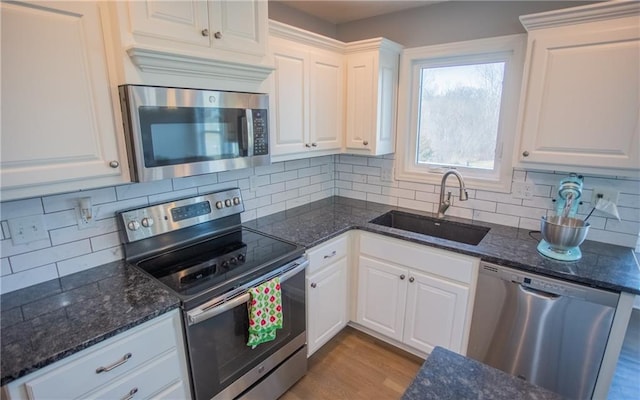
<point>602,265</point>
<point>448,375</point>
<point>44,323</point>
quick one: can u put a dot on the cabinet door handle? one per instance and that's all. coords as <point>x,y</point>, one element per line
<point>108,368</point>
<point>314,144</point>
<point>114,164</point>
<point>205,32</point>
<point>333,254</point>
<point>365,143</point>
<point>217,35</point>
<point>307,145</point>
<point>525,154</point>
<point>402,277</point>
<point>314,285</point>
<point>130,395</point>
<point>412,279</point>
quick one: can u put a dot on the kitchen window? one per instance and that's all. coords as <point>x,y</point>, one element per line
<point>458,106</point>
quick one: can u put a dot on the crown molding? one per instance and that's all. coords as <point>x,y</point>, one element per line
<point>160,61</point>
<point>577,15</point>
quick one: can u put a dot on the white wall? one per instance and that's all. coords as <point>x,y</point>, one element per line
<point>291,16</point>
<point>450,21</point>
<point>68,249</point>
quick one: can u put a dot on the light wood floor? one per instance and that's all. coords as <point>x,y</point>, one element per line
<point>355,366</point>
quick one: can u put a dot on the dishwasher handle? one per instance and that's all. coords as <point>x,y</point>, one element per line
<point>539,293</point>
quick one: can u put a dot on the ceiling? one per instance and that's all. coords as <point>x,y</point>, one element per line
<point>338,12</point>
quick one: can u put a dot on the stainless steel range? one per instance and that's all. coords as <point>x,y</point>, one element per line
<point>198,249</point>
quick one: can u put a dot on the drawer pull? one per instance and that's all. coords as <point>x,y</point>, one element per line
<point>129,395</point>
<point>125,358</point>
<point>333,254</point>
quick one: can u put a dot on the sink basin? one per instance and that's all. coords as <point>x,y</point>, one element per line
<point>450,230</point>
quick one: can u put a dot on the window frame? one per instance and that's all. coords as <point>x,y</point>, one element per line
<point>511,50</point>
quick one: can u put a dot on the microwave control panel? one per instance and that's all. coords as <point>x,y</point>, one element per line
<point>260,133</point>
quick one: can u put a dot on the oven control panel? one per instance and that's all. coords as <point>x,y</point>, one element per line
<point>145,222</point>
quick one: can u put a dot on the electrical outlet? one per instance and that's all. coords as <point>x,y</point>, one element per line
<point>84,223</point>
<point>606,194</point>
<point>522,190</point>
<point>386,174</point>
<point>28,229</point>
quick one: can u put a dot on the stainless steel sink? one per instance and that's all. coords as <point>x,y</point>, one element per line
<point>450,230</point>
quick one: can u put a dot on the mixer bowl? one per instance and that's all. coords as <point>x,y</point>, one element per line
<point>563,233</point>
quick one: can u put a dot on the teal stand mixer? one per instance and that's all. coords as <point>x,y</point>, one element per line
<point>563,233</point>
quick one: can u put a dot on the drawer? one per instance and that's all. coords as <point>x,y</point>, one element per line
<point>124,354</point>
<point>427,259</point>
<point>144,381</point>
<point>176,391</point>
<point>326,253</point>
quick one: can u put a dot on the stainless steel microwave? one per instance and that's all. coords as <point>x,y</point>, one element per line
<point>174,132</point>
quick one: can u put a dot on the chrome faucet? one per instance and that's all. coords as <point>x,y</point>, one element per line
<point>444,204</point>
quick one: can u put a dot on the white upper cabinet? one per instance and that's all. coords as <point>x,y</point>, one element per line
<point>372,91</point>
<point>306,94</point>
<point>214,44</point>
<point>60,123</point>
<point>581,90</point>
<point>231,25</point>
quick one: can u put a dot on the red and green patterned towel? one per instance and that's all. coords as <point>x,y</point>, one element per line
<point>265,312</point>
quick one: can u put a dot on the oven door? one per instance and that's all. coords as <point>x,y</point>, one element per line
<point>221,363</point>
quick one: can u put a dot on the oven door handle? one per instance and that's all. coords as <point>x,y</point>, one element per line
<point>205,311</point>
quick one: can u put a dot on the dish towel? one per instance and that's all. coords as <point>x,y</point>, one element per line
<point>265,312</point>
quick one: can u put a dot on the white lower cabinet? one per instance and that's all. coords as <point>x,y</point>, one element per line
<point>416,295</point>
<point>145,362</point>
<point>326,293</point>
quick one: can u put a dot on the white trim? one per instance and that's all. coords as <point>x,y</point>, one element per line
<point>577,15</point>
<point>161,61</point>
<point>511,48</point>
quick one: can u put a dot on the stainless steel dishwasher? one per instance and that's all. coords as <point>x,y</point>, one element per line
<point>550,332</point>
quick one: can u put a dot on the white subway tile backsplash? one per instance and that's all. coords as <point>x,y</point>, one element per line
<point>72,233</point>
<point>9,283</point>
<point>284,176</point>
<point>20,208</point>
<point>296,183</point>
<point>131,191</point>
<point>67,201</point>
<point>282,186</point>
<point>8,249</point>
<point>106,241</point>
<point>494,218</point>
<point>194,181</point>
<point>162,197</point>
<point>296,164</point>
<point>84,262</point>
<point>365,187</point>
<point>38,258</point>
<point>5,267</point>
<point>235,174</point>
<point>620,239</point>
<point>377,198</point>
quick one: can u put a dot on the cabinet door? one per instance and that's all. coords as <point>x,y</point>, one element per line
<point>581,104</point>
<point>239,26</point>
<point>59,130</point>
<point>327,304</point>
<point>361,100</point>
<point>382,290</point>
<point>326,101</point>
<point>181,21</point>
<point>288,99</point>
<point>435,314</point>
